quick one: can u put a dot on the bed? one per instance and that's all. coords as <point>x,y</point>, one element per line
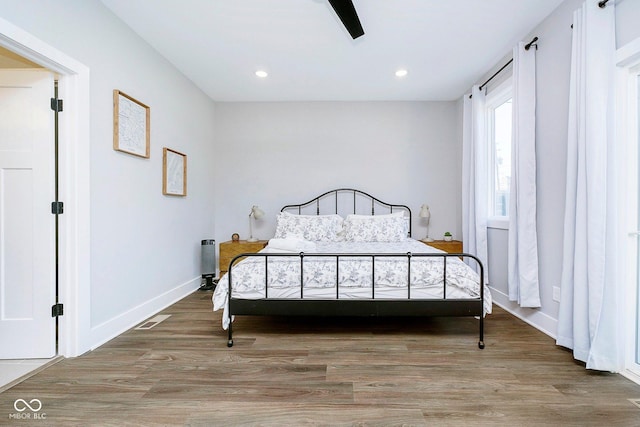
<point>347,253</point>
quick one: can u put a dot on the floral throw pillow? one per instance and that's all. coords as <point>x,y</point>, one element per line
<point>375,228</point>
<point>318,228</point>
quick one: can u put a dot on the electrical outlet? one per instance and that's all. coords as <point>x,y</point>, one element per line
<point>556,293</point>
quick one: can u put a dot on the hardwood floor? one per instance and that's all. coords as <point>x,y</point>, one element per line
<point>288,371</point>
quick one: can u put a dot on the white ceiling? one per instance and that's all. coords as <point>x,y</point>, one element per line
<point>446,45</point>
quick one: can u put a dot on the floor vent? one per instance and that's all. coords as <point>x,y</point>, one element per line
<point>153,321</point>
<point>635,402</point>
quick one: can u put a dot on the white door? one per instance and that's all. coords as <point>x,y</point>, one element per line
<point>27,257</point>
<point>629,131</point>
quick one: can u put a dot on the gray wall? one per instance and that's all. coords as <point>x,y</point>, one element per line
<point>271,154</point>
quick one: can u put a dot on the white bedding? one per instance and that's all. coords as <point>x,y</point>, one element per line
<point>354,275</point>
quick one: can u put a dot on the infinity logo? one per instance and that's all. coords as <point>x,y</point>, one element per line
<point>21,405</point>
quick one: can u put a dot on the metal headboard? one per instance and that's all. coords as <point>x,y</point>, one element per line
<point>356,194</point>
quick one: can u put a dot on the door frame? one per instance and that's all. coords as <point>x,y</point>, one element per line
<point>627,130</point>
<point>74,177</point>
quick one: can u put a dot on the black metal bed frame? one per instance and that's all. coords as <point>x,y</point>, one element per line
<point>372,307</point>
<point>355,194</point>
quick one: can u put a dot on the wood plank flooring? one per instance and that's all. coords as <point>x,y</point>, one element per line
<point>288,371</point>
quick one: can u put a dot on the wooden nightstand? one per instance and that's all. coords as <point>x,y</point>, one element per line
<point>452,247</point>
<point>230,249</point>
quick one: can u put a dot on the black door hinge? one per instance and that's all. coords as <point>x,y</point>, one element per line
<point>57,310</point>
<point>56,104</point>
<point>57,208</point>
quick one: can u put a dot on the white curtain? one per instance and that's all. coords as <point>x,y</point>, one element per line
<point>588,320</point>
<point>523,239</point>
<point>474,178</point>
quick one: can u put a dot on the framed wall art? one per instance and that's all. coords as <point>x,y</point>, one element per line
<point>131,125</point>
<point>174,173</point>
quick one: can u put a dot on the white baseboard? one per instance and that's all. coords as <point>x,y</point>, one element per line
<point>110,329</point>
<point>534,317</point>
<point>633,376</point>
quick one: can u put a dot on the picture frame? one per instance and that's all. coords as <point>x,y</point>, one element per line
<point>131,125</point>
<point>174,173</point>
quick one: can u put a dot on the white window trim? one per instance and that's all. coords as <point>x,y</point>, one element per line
<point>498,222</point>
<point>497,96</point>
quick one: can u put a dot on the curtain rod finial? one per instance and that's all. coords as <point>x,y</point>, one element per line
<point>532,43</point>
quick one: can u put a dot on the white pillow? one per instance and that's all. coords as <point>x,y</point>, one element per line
<point>376,228</point>
<point>317,228</point>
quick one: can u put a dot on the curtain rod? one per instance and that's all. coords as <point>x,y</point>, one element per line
<point>526,47</point>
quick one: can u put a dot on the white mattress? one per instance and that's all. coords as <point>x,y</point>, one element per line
<point>355,275</point>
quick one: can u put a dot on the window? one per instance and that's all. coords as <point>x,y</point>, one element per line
<point>499,124</point>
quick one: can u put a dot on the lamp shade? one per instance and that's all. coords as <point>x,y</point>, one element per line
<point>257,212</point>
<point>424,212</point>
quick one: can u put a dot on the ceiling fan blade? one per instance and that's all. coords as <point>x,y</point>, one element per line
<point>347,14</point>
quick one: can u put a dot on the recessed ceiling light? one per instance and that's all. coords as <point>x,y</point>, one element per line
<point>401,72</point>
<point>262,74</point>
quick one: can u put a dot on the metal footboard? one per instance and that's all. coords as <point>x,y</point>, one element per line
<point>372,306</point>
